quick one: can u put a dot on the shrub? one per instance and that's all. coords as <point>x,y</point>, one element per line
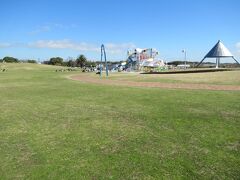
<point>10,59</point>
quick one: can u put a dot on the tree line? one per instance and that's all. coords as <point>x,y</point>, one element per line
<point>81,61</point>
<point>9,59</point>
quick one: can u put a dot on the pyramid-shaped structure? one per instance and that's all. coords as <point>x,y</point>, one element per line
<point>219,50</point>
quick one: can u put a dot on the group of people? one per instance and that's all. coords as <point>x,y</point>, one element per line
<point>63,70</point>
<point>88,69</point>
<point>84,69</point>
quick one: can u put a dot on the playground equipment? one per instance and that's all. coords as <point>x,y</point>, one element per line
<point>103,54</point>
<point>218,51</point>
<point>140,58</point>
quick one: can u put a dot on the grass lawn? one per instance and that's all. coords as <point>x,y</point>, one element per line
<point>55,128</point>
<point>217,78</point>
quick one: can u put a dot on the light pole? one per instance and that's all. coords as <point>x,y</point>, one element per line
<point>185,57</point>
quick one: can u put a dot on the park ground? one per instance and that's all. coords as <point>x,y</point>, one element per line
<point>54,127</point>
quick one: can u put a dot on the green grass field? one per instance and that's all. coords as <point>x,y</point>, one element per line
<point>216,78</point>
<point>52,127</point>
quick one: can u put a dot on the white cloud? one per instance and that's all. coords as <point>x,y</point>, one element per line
<point>112,48</point>
<point>119,48</point>
<point>5,45</point>
<point>10,45</point>
<point>63,44</point>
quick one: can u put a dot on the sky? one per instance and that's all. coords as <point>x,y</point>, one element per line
<point>41,29</point>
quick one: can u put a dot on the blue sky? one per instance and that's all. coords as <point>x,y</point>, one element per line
<point>43,29</point>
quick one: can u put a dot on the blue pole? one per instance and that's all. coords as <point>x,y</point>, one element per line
<point>103,52</point>
<point>101,62</point>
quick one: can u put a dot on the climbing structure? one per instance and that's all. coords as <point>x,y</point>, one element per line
<point>103,55</point>
<point>138,57</point>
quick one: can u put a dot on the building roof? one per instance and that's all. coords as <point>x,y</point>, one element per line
<point>219,50</point>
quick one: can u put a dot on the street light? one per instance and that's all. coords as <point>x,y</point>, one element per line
<point>185,57</point>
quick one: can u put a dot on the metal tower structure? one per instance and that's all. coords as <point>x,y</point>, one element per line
<point>218,51</point>
<point>103,55</point>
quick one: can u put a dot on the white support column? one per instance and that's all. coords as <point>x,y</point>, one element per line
<point>217,61</point>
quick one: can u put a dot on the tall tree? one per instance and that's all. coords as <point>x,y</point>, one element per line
<point>56,61</point>
<point>81,60</point>
<point>32,61</point>
<point>71,63</point>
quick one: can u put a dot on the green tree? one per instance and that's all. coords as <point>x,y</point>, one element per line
<point>81,61</point>
<point>56,61</point>
<point>10,59</point>
<point>31,61</point>
<point>71,63</point>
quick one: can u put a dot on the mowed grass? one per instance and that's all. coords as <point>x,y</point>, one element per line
<point>217,78</point>
<point>55,128</point>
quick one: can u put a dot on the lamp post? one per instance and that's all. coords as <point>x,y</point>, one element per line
<point>185,57</point>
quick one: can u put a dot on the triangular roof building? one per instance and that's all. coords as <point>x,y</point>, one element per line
<point>218,51</point>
